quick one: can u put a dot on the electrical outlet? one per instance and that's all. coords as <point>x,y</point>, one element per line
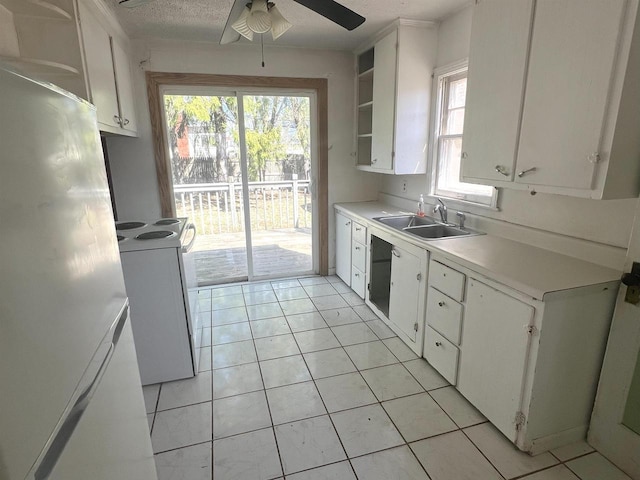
<point>404,187</point>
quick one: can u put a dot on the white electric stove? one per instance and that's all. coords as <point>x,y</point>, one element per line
<point>161,282</point>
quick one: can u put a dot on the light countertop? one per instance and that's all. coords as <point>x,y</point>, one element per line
<point>531,270</point>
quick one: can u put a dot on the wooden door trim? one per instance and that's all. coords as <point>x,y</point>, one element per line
<point>156,80</point>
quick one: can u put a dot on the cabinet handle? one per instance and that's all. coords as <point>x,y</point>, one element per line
<point>524,172</point>
<point>441,304</point>
<point>395,252</point>
<point>501,170</point>
<point>358,229</point>
<point>347,224</point>
<point>356,274</point>
<point>438,344</point>
<point>117,119</point>
<point>465,154</point>
<point>374,160</point>
<point>357,248</point>
<point>126,122</point>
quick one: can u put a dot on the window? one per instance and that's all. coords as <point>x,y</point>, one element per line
<point>447,143</point>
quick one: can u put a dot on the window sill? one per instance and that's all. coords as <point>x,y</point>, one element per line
<point>464,204</point>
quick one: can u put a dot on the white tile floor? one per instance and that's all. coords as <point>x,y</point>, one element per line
<point>303,382</point>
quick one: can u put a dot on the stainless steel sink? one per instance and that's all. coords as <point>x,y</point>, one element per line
<point>400,222</point>
<point>425,227</point>
<point>438,231</point>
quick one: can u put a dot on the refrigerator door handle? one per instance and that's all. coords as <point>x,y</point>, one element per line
<point>44,465</point>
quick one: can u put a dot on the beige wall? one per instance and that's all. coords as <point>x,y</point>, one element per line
<point>132,162</point>
<point>607,222</point>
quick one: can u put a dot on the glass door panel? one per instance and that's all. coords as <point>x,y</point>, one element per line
<point>278,149</point>
<point>207,179</point>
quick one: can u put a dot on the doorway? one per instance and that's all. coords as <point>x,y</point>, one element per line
<point>615,423</point>
<point>157,81</point>
<point>242,167</point>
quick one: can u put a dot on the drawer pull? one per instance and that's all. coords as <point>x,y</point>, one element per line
<point>438,344</point>
<point>441,304</point>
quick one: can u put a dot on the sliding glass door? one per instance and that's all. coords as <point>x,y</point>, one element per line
<point>242,167</point>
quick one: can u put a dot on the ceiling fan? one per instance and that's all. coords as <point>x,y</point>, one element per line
<point>262,16</point>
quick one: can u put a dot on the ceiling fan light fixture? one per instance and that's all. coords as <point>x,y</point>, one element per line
<point>241,25</point>
<point>259,20</point>
<point>279,24</point>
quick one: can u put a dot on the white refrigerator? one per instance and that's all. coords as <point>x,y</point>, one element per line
<point>71,404</point>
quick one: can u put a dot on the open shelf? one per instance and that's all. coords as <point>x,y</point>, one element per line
<point>33,66</point>
<point>366,104</point>
<point>36,8</point>
<point>365,135</point>
<point>366,73</point>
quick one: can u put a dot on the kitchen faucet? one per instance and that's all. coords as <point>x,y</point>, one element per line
<point>442,209</point>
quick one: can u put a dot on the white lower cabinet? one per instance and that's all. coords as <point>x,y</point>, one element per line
<point>343,247</point>
<point>405,289</point>
<point>396,289</point>
<point>442,355</point>
<point>496,340</point>
<point>351,252</point>
<point>358,282</point>
<point>530,366</point>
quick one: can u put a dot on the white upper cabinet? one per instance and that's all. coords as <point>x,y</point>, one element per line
<point>383,119</point>
<point>97,48</point>
<point>40,39</point>
<point>573,49</point>
<point>551,84</point>
<point>495,87</point>
<point>109,74</point>
<point>124,86</point>
<point>393,99</point>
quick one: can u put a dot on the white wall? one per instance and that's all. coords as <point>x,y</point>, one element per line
<point>606,222</point>
<point>132,160</point>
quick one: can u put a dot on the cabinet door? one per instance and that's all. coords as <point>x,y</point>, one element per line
<point>405,291</point>
<point>573,50</point>
<point>497,65</point>
<point>494,353</point>
<point>343,248</point>
<point>124,87</point>
<point>102,84</point>
<point>384,92</point>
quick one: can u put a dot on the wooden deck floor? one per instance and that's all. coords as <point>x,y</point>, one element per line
<point>222,257</point>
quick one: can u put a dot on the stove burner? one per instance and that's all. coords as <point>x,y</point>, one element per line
<point>154,235</point>
<point>129,225</point>
<point>167,221</point>
<point>121,238</point>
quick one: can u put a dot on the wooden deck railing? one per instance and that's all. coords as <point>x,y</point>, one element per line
<point>219,207</point>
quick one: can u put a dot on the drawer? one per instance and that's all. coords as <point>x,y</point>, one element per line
<point>359,233</point>
<point>444,314</point>
<point>447,280</point>
<point>441,354</point>
<point>359,256</point>
<point>357,282</point>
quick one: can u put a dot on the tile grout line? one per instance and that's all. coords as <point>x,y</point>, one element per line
<point>328,414</point>
<point>266,398</point>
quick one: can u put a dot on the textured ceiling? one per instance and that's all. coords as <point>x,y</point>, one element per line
<point>204,20</point>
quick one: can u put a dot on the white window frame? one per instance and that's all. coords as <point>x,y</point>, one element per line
<point>440,75</point>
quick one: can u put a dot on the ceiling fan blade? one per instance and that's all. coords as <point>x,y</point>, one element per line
<point>229,35</point>
<point>335,12</point>
<point>133,3</point>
